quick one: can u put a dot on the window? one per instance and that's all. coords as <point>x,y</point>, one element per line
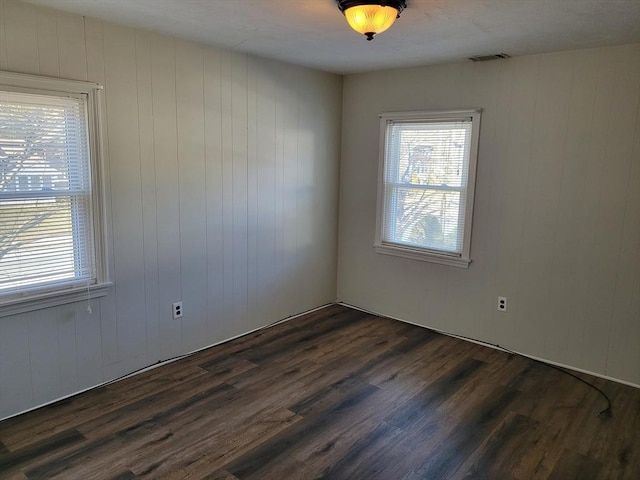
<point>426,184</point>
<point>50,222</point>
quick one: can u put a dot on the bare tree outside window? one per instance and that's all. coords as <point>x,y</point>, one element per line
<point>426,185</point>
<point>27,165</point>
<point>428,216</point>
<point>42,189</point>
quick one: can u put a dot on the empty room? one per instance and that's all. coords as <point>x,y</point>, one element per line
<point>305,239</point>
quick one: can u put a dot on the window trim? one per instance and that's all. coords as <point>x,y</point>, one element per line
<point>53,295</point>
<point>416,253</point>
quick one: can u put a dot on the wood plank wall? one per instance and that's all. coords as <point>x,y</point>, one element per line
<point>222,192</point>
<point>557,209</point>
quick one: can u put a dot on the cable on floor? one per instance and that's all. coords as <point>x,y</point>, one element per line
<point>607,409</point>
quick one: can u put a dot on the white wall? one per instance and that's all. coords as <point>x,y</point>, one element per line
<point>223,189</point>
<point>557,208</point>
<point>222,183</point>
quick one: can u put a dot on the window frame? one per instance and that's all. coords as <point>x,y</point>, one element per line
<point>72,291</point>
<point>382,246</point>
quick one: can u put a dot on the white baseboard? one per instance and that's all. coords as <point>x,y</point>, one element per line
<point>161,363</point>
<point>479,342</point>
<point>497,347</point>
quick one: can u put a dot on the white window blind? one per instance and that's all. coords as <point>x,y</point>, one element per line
<point>427,178</point>
<point>46,227</point>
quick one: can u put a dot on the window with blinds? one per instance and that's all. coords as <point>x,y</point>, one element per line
<point>427,175</point>
<point>47,234</point>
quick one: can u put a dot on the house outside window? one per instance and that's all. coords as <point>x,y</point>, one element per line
<point>51,232</point>
<point>426,185</point>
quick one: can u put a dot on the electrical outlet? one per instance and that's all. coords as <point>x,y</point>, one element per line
<point>177,310</point>
<point>502,304</point>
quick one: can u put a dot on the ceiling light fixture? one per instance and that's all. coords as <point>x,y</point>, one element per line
<point>371,17</point>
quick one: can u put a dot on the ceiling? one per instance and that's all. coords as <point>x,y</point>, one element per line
<point>314,33</point>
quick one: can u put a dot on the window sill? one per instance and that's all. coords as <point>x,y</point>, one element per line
<point>15,306</point>
<point>422,255</point>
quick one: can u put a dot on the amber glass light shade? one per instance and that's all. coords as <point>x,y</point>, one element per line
<point>370,20</point>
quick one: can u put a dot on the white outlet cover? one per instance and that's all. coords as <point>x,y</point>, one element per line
<point>502,304</point>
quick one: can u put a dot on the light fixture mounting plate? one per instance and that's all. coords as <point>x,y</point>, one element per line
<point>399,5</point>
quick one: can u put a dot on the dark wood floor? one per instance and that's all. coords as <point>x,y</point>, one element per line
<point>336,394</point>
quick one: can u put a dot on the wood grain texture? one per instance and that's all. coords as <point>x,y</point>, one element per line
<point>556,209</point>
<point>335,394</point>
<point>194,161</point>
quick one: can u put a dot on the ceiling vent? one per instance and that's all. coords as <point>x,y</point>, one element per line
<point>486,58</point>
